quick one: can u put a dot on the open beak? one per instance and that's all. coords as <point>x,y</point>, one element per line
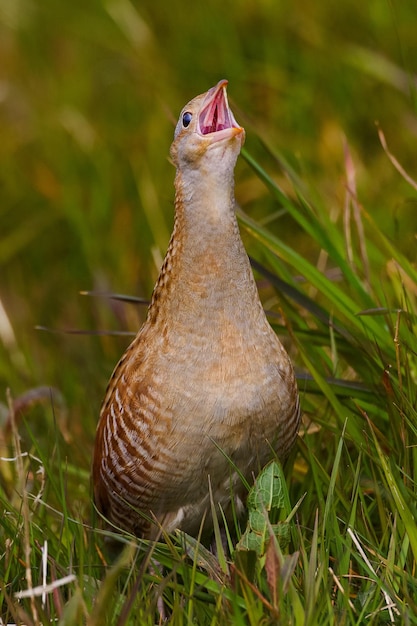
<point>215,116</point>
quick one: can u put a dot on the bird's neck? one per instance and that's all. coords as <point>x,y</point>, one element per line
<point>206,265</point>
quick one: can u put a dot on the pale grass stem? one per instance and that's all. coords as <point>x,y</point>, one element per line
<point>25,508</point>
<point>390,605</point>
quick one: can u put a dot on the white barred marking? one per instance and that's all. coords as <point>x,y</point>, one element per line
<point>119,402</point>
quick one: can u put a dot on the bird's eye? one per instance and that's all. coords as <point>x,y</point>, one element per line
<point>186,119</point>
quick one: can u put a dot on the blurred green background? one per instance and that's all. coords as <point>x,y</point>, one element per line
<point>89,94</point>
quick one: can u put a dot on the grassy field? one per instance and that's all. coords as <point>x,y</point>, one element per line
<point>327,190</point>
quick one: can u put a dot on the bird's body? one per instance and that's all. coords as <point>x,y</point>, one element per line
<point>205,391</point>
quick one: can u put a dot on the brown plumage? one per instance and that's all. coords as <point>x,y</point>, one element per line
<point>206,386</point>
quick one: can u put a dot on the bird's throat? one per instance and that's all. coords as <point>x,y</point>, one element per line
<point>206,266</point>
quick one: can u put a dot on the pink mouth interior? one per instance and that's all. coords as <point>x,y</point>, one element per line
<point>216,114</point>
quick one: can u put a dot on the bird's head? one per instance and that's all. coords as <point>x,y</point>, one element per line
<point>207,132</point>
